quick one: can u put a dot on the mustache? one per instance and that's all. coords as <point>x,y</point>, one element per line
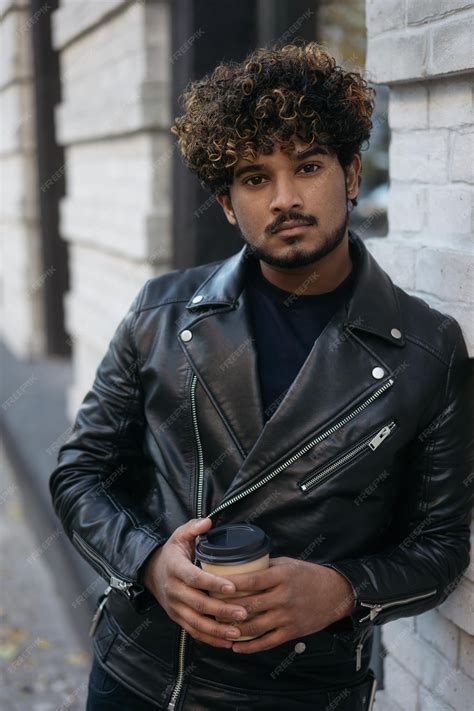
<point>292,216</point>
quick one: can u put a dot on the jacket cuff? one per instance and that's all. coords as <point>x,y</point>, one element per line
<point>359,611</point>
<point>139,596</point>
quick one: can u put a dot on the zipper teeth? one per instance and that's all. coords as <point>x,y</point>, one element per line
<point>306,485</point>
<point>376,608</point>
<point>100,562</point>
<point>199,448</point>
<point>184,635</point>
<point>383,605</point>
<point>304,449</point>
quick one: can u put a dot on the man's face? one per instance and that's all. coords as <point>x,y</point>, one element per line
<point>286,186</point>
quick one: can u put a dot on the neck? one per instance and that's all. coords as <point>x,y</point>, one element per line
<point>319,277</point>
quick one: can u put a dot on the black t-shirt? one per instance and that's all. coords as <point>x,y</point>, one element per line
<point>285,328</point>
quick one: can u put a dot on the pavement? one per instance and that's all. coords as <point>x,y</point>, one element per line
<point>44,663</point>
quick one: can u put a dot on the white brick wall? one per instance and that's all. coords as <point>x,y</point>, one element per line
<point>21,303</point>
<point>423,50</point>
<point>114,125</point>
<point>410,40</point>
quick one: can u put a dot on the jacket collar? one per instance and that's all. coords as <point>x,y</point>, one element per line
<point>373,308</point>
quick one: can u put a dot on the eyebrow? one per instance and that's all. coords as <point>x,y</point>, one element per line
<point>295,156</point>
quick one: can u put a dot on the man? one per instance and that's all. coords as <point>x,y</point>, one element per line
<point>293,386</point>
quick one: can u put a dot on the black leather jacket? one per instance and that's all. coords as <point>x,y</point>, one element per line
<point>364,467</point>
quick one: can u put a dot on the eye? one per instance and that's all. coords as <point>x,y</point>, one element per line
<point>309,165</point>
<point>252,177</point>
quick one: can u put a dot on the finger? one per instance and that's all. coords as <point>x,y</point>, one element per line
<point>208,625</point>
<point>282,560</point>
<point>202,637</point>
<point>267,641</point>
<point>204,604</point>
<point>256,604</point>
<point>196,577</point>
<point>260,624</point>
<point>257,580</point>
<point>189,530</point>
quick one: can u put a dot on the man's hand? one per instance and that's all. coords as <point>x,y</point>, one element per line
<point>291,598</point>
<point>180,588</point>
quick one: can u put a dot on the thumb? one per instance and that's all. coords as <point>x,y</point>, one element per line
<point>195,526</point>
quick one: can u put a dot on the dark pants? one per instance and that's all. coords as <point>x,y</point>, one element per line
<point>107,694</point>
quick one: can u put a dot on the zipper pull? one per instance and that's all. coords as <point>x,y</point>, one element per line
<point>359,655</point>
<point>99,611</point>
<point>374,611</point>
<point>121,585</point>
<point>380,436</point>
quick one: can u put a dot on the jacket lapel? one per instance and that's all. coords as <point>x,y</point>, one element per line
<point>223,356</point>
<point>337,374</point>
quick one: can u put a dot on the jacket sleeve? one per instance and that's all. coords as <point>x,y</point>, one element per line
<point>99,474</point>
<point>430,527</point>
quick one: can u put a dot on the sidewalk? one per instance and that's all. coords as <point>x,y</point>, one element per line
<point>43,665</point>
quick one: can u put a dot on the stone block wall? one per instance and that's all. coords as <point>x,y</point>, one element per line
<point>113,123</point>
<point>423,50</point>
<point>21,304</point>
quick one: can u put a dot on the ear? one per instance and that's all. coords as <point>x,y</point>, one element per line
<point>226,204</point>
<point>352,172</point>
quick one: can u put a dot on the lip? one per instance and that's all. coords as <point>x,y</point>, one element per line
<point>295,229</point>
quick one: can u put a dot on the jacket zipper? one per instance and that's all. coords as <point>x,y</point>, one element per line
<point>375,608</point>
<point>184,634</point>
<point>303,450</point>
<point>372,441</point>
<point>99,611</point>
<point>199,494</point>
<point>102,566</point>
<point>374,611</point>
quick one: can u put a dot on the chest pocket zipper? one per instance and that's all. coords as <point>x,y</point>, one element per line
<point>369,443</point>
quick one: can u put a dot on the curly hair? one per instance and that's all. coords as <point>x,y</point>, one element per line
<point>241,109</point>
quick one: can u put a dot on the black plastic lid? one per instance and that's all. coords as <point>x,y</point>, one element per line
<point>233,543</point>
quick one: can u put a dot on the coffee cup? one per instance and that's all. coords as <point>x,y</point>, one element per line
<point>232,549</point>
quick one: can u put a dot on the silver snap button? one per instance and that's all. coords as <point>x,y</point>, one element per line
<point>197,299</point>
<point>300,647</point>
<point>186,335</point>
<point>396,333</point>
<point>378,373</point>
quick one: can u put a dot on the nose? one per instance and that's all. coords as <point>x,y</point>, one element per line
<point>285,197</point>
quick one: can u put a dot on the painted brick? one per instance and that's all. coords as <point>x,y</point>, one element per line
<point>450,45</point>
<point>427,702</point>
<point>384,16</point>
<point>456,689</point>
<point>459,606</point>
<point>450,102</point>
<point>397,56</point>
<point>399,684</point>
<point>424,10</point>
<point>441,633</point>
<point>397,257</point>
<point>450,209</point>
<point>73,18</point>
<point>406,207</point>
<point>466,653</point>
<point>15,41</point>
<point>408,106</point>
<point>419,156</point>
<point>462,157</point>
<point>449,275</point>
<point>384,702</point>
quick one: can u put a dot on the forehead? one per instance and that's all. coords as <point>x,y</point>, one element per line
<point>297,151</point>
<point>290,151</point>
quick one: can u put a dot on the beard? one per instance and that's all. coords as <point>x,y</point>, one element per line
<point>300,257</point>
